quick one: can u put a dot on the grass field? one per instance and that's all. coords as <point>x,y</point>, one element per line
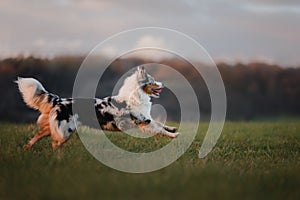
<point>253,160</point>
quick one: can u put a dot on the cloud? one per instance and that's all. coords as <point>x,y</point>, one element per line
<point>277,2</point>
<point>110,51</point>
<point>69,44</point>
<point>149,47</point>
<point>248,29</point>
<point>151,41</point>
<point>62,46</point>
<point>152,47</point>
<point>271,9</point>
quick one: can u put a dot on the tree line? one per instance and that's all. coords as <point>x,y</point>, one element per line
<point>254,90</point>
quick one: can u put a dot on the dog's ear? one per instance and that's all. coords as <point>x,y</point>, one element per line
<point>141,73</point>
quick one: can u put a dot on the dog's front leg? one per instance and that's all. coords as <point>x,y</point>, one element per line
<point>170,128</point>
<point>155,128</point>
<point>167,128</point>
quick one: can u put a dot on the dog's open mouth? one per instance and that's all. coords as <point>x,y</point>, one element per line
<point>156,91</point>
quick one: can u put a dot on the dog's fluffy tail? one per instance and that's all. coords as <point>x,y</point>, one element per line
<point>34,94</point>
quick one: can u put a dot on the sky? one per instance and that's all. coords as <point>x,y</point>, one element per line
<point>230,30</point>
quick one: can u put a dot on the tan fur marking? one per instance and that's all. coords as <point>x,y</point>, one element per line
<point>148,88</point>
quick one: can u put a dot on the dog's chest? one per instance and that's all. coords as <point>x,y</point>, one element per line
<point>143,109</point>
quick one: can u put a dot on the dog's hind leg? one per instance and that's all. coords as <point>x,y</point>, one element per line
<point>43,122</point>
<point>61,129</point>
<point>139,119</point>
<point>42,133</point>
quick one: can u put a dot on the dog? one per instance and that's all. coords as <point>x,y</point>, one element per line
<point>130,107</point>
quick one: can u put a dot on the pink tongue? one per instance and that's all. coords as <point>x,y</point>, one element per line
<point>158,90</point>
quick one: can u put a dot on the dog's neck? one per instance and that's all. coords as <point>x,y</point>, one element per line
<point>136,99</point>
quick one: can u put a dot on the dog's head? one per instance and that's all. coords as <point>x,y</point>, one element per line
<point>148,84</point>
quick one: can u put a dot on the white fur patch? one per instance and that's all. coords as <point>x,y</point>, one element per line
<point>63,129</point>
<point>30,90</point>
<point>137,100</point>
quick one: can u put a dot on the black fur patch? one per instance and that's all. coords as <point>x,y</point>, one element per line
<point>54,99</point>
<point>115,126</point>
<point>139,120</point>
<point>104,118</point>
<point>98,106</point>
<point>108,100</point>
<point>104,104</point>
<point>64,112</point>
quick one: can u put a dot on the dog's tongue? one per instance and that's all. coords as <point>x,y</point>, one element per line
<point>158,90</point>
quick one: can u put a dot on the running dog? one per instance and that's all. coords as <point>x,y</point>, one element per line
<point>131,107</point>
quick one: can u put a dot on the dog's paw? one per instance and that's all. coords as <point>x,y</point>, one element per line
<point>26,147</point>
<point>174,135</point>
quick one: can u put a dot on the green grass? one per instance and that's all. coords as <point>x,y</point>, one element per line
<point>252,160</point>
